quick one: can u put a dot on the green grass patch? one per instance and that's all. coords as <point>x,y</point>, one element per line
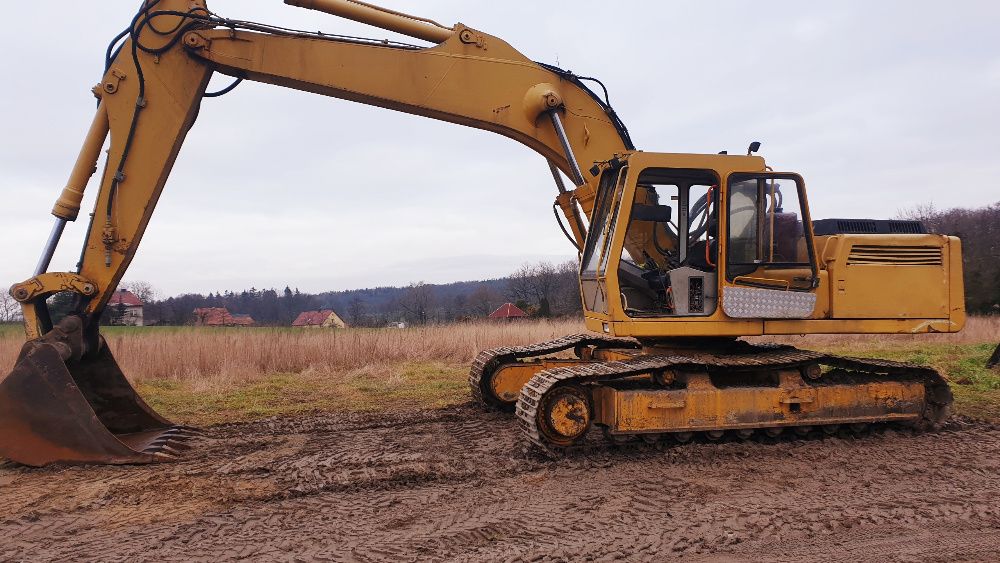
<point>409,386</point>
<point>8,329</point>
<point>182,402</point>
<point>419,385</point>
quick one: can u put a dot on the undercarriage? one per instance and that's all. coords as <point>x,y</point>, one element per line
<point>678,388</point>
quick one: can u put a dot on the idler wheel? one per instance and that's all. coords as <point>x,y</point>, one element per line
<point>565,415</point>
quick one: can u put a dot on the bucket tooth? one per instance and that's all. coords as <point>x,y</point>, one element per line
<point>60,406</point>
<point>173,440</point>
<point>168,450</point>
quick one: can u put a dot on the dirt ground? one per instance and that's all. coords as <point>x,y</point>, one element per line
<point>457,484</point>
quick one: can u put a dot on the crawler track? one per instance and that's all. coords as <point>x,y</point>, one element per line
<point>488,361</point>
<point>842,369</point>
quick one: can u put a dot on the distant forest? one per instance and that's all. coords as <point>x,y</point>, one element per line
<point>543,289</point>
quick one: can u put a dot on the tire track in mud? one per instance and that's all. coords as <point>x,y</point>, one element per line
<point>457,484</point>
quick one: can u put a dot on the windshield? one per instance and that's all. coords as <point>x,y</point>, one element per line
<point>608,195</point>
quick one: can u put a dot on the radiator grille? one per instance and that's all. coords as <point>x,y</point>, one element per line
<point>878,255</point>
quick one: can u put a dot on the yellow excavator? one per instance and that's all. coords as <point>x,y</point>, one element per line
<point>680,254</point>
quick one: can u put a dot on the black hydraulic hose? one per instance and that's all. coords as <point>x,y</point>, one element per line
<point>225,90</point>
<point>605,103</point>
<point>555,211</point>
<point>114,49</point>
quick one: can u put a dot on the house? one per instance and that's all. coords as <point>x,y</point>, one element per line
<point>325,318</point>
<point>128,305</point>
<point>508,311</point>
<point>220,316</point>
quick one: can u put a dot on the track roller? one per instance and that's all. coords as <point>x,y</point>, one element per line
<point>683,437</point>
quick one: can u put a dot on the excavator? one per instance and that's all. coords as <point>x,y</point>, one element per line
<point>682,256</point>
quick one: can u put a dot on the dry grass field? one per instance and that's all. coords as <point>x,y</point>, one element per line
<point>203,376</point>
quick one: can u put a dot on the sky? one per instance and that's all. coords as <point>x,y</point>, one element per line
<point>879,105</point>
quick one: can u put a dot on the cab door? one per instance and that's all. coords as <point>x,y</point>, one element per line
<point>771,269</point>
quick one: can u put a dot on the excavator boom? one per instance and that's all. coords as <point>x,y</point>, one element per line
<point>150,97</point>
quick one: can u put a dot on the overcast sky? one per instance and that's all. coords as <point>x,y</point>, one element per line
<point>879,105</point>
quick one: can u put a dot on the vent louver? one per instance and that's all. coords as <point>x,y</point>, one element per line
<point>856,226</point>
<point>878,255</point>
<point>906,228</point>
<point>824,227</point>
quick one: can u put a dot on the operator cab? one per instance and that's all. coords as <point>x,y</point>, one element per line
<point>658,233</point>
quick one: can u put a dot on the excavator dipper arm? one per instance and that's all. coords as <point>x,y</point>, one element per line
<point>149,99</point>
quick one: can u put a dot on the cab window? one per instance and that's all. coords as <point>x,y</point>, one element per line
<point>766,228</point>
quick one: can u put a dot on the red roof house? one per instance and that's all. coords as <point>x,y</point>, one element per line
<point>326,318</point>
<point>220,316</point>
<point>125,297</point>
<point>130,306</point>
<point>508,311</point>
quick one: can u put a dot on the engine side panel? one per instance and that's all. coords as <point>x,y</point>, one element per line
<point>889,276</point>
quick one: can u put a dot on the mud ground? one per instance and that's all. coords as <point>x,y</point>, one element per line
<point>456,484</point>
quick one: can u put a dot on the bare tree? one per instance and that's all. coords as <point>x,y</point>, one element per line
<point>919,212</point>
<point>417,302</point>
<point>536,284</point>
<point>356,311</point>
<point>10,309</point>
<point>459,307</point>
<point>483,301</point>
<point>566,300</point>
<point>143,290</point>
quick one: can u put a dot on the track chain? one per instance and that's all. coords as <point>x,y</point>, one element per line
<point>749,356</point>
<point>488,361</point>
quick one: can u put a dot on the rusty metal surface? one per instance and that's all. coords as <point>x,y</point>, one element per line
<point>59,406</point>
<point>708,408</point>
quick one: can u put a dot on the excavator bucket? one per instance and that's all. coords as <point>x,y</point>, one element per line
<point>60,406</point>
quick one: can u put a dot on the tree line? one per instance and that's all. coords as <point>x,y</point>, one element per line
<point>542,290</point>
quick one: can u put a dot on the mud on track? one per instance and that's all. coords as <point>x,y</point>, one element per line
<point>456,484</point>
